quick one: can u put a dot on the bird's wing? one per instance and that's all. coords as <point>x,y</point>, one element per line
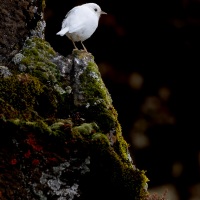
<point>75,19</point>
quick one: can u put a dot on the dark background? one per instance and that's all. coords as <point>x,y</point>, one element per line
<point>148,53</point>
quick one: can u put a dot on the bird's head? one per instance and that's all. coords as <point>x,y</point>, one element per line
<point>96,8</point>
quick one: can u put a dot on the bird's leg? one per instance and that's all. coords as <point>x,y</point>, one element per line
<point>84,46</point>
<point>74,45</point>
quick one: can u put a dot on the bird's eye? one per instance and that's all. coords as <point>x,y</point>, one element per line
<point>95,9</point>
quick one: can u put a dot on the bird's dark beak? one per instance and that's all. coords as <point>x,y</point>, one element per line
<point>102,12</point>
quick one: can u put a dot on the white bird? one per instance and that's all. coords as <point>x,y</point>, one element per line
<point>81,22</point>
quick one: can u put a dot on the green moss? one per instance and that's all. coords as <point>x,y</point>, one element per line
<point>100,107</point>
<point>7,111</point>
<point>60,127</point>
<point>37,59</point>
<point>122,173</point>
<point>85,128</point>
<point>81,54</point>
<point>38,126</point>
<point>26,97</point>
<point>20,91</point>
<point>93,85</point>
<point>43,5</point>
<point>16,122</point>
<point>97,97</point>
<point>121,147</point>
<point>84,131</point>
<point>101,139</point>
<point>135,181</point>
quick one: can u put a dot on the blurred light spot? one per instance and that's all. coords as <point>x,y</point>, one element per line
<point>177,169</point>
<point>164,93</point>
<point>139,140</point>
<point>151,104</point>
<point>136,81</point>
<point>140,125</point>
<point>105,69</point>
<point>137,134</point>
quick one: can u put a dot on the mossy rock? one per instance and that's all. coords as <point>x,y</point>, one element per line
<point>57,113</point>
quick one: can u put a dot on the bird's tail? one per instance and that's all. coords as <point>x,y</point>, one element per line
<point>63,31</point>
